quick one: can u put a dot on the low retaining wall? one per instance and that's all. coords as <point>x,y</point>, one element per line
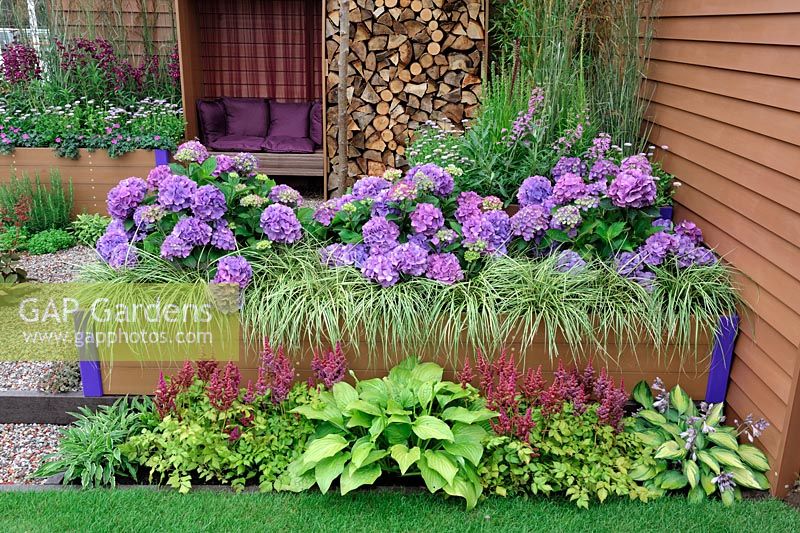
<point>93,174</point>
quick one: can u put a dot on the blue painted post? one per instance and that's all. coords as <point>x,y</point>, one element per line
<point>162,157</point>
<point>721,358</point>
<point>666,212</point>
<point>88,359</point>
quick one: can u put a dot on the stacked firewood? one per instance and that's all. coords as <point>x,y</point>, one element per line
<point>410,61</point>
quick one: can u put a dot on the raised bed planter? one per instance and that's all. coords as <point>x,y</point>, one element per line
<point>93,174</point>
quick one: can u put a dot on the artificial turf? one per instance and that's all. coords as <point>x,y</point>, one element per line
<point>149,510</point>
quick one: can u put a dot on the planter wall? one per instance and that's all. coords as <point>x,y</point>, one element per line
<point>93,174</point>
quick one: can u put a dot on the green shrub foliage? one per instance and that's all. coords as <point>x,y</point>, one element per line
<point>89,228</point>
<point>50,241</point>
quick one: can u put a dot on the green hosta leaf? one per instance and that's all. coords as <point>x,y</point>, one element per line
<point>643,395</point>
<point>397,433</point>
<point>462,414</point>
<point>468,490</point>
<point>427,372</point>
<point>300,477</point>
<point>430,427</point>
<point>642,472</point>
<point>673,480</point>
<point>353,477</point>
<point>714,414</point>
<point>679,399</point>
<point>654,417</point>
<point>433,479</point>
<point>361,450</point>
<point>344,394</point>
<point>761,480</point>
<point>405,457</point>
<point>322,448</point>
<point>365,407</point>
<point>754,457</point>
<point>329,469</point>
<point>425,394</point>
<point>728,498</point>
<point>394,408</point>
<point>670,450</point>
<point>696,495</point>
<point>726,457</point>
<point>467,442</point>
<point>373,391</point>
<point>651,438</point>
<point>692,472</point>
<point>359,419</point>
<point>708,485</point>
<point>673,430</point>
<point>377,427</point>
<point>708,459</point>
<point>443,463</point>
<point>329,413</point>
<point>744,477</point>
<point>724,439</point>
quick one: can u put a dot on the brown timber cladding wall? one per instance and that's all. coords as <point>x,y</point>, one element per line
<point>410,61</point>
<point>724,79</point>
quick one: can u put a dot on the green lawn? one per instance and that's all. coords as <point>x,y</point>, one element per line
<point>146,510</point>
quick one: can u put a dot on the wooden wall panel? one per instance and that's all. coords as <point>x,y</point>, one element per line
<point>725,99</point>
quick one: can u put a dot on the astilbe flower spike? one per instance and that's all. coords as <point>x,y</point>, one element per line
<point>533,385</point>
<point>330,368</point>
<point>185,377</point>
<point>205,369</point>
<point>274,374</point>
<point>223,387</point>
<point>467,375</point>
<point>164,397</point>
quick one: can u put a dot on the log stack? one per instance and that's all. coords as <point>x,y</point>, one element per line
<point>410,61</point>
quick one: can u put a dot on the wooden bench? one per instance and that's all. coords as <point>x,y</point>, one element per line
<point>273,164</point>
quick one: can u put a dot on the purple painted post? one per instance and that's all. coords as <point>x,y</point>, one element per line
<point>88,360</point>
<point>721,359</point>
<point>162,157</point>
<point>666,212</point>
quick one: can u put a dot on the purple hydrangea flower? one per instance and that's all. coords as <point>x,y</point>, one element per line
<point>192,231</point>
<point>208,203</point>
<point>113,237</point>
<point>488,233</point>
<point>468,206</point>
<point>530,222</point>
<point>145,216</point>
<point>245,164</point>
<point>534,190</point>
<point>283,194</point>
<point>566,218</point>
<point>380,234</point>
<point>176,193</point>
<point>423,241</point>
<point>234,269</point>
<point>444,237</point>
<point>381,270</point>
<point>602,170</point>
<point>125,197</point>
<point>325,212</point>
<point>703,256</point>
<point>225,164</point>
<point>689,229</point>
<point>410,259</point>
<point>191,152</point>
<point>444,268</point>
<point>491,203</point>
<point>568,165</point>
<point>174,247</point>
<point>426,219</point>
<point>123,256</point>
<point>569,261</point>
<point>279,223</point>
<point>632,188</point>
<point>432,178</point>
<point>664,223</point>
<point>568,187</point>
<point>657,247</point>
<point>339,255</point>
<point>222,237</point>
<point>646,279</point>
<point>381,206</point>
<point>157,175</point>
<point>402,190</point>
<point>628,262</point>
<point>370,186</point>
<point>636,162</point>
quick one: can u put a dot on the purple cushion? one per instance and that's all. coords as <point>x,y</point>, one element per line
<point>290,145</point>
<point>288,119</point>
<point>237,143</point>
<point>247,117</point>
<point>211,115</point>
<point>315,126</point>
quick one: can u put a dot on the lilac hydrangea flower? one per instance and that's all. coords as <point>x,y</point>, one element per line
<point>534,190</point>
<point>491,203</point>
<point>125,197</point>
<point>488,233</point>
<point>426,219</point>
<point>222,237</point>
<point>176,193</point>
<point>380,234</point>
<point>602,170</point>
<point>627,263</point>
<point>370,186</point>
<point>664,223</point>
<point>632,188</point>
<point>174,247</point>
<point>225,164</point>
<point>409,258</point>
<point>444,237</point>
<point>468,206</point>
<point>191,152</point>
<point>245,164</point>
<point>568,165</point>
<point>234,269</point>
<point>279,223</point>
<point>423,241</point>
<point>381,206</point>
<point>192,231</point>
<point>530,222</point>
<point>380,269</point>
<point>432,178</point>
<point>566,218</point>
<point>123,256</point>
<point>339,255</point>
<point>568,187</point>
<point>325,212</point>
<point>283,194</point>
<point>402,190</point>
<point>569,261</point>
<point>444,268</point>
<point>145,216</point>
<point>208,203</point>
<point>657,247</point>
<point>113,237</point>
<point>703,256</point>
<point>157,175</point>
<point>636,162</point>
<point>690,230</point>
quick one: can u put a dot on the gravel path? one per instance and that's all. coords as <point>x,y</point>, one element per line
<point>22,375</point>
<point>22,447</point>
<point>60,267</point>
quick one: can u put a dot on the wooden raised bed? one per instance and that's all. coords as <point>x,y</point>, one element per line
<point>93,174</point>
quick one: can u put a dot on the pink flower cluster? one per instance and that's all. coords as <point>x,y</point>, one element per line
<point>498,382</point>
<point>329,368</point>
<point>20,63</point>
<point>223,386</point>
<point>275,374</point>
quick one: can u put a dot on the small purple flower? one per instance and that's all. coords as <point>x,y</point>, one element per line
<point>657,246</point>
<point>627,263</point>
<point>600,146</point>
<point>410,259</point>
<point>566,218</point>
<point>176,193</point>
<point>113,237</point>
<point>283,194</point>
<point>637,162</point>
<point>689,229</point>
<point>325,212</point>
<point>632,188</point>
<point>534,190</point>
<point>724,481</point>
<point>192,231</point>
<point>380,235</point>
<point>234,269</point>
<point>568,187</point>
<point>431,178</point>
<point>279,223</point>
<point>703,256</point>
<point>402,190</point>
<point>381,270</point>
<point>489,233</point>
<point>157,175</point>
<point>191,152</point>
<point>123,256</point>
<point>339,255</point>
<point>245,164</point>
<point>370,186</point>
<point>530,222</point>
<point>225,164</point>
<point>146,216</point>
<point>569,262</point>
<point>568,165</point>
<point>426,219</point>
<point>125,197</point>
<point>603,170</point>
<point>174,247</point>
<point>222,237</point>
<point>444,268</point>
<point>468,206</point>
<point>663,223</point>
<point>208,203</point>
<point>444,237</point>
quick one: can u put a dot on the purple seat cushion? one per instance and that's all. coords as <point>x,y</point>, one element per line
<point>247,117</point>
<point>288,145</point>
<point>315,126</point>
<point>237,143</point>
<point>211,115</point>
<point>289,119</point>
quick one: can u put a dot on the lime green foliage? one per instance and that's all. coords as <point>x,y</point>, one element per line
<point>13,238</point>
<point>689,447</point>
<point>572,454</point>
<point>194,441</point>
<point>88,450</point>
<point>45,206</point>
<point>409,423</point>
<point>389,511</point>
<point>49,241</point>
<point>88,228</point>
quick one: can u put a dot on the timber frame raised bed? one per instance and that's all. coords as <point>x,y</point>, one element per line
<point>92,174</point>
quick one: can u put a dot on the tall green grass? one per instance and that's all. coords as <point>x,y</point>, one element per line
<point>50,204</point>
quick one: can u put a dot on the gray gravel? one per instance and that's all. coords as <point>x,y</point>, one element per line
<point>22,448</point>
<point>22,375</point>
<point>60,267</point>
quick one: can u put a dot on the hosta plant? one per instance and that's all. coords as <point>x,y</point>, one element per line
<point>688,447</point>
<point>409,423</point>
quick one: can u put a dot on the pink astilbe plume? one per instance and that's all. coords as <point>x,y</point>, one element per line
<point>185,377</point>
<point>498,381</point>
<point>533,385</point>
<point>164,398</point>
<point>565,388</point>
<point>250,393</point>
<point>274,374</point>
<point>330,368</point>
<point>205,369</point>
<point>466,375</point>
<point>223,387</point>
<point>612,406</point>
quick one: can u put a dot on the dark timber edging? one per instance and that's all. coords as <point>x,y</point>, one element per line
<point>29,407</point>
